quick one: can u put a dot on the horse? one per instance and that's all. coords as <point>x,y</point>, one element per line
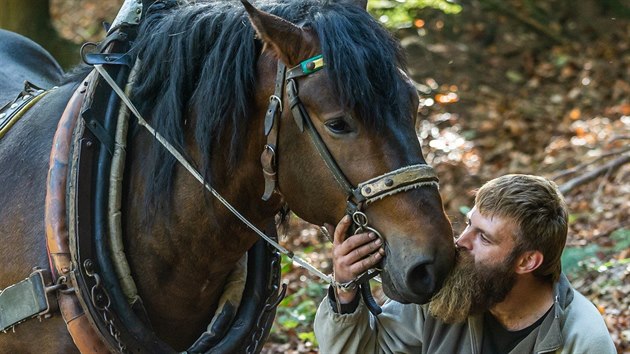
<point>207,79</point>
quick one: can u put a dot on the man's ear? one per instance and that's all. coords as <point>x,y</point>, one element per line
<point>288,42</point>
<point>529,261</point>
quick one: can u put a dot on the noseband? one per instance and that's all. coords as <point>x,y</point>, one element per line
<point>364,193</point>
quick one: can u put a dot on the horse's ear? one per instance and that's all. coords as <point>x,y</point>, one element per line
<point>283,37</point>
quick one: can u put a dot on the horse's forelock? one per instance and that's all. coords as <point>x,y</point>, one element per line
<point>363,61</point>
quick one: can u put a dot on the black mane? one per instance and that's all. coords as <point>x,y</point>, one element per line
<point>200,57</point>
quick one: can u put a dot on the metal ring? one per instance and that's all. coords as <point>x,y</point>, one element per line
<point>360,219</point>
<point>83,53</point>
<point>270,148</point>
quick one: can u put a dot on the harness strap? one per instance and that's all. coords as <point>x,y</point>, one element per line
<point>13,111</point>
<point>397,181</point>
<point>303,119</point>
<point>272,122</point>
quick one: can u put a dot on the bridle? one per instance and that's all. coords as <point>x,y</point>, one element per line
<point>364,193</point>
<point>357,198</point>
<point>390,183</point>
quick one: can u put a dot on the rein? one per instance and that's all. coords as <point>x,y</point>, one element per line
<point>199,177</point>
<point>367,192</point>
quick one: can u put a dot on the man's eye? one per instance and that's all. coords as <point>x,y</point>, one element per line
<point>337,126</point>
<point>484,238</point>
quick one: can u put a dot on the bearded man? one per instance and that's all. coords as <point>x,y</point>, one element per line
<point>506,293</point>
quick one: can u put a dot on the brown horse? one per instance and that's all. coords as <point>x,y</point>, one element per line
<point>208,72</point>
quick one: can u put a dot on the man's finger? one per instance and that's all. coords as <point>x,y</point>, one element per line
<point>341,230</point>
<point>357,253</point>
<point>328,231</point>
<point>353,242</point>
<point>365,264</point>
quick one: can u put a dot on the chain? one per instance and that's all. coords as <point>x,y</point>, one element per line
<point>102,302</point>
<point>271,303</point>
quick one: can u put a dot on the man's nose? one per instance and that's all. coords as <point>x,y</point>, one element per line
<point>464,240</point>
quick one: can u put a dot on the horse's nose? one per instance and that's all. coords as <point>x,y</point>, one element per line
<point>421,278</point>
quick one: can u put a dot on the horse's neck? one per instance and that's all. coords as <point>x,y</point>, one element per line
<point>180,257</point>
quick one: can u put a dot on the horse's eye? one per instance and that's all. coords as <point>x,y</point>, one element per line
<point>338,126</point>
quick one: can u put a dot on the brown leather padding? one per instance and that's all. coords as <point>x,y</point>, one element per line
<point>82,332</point>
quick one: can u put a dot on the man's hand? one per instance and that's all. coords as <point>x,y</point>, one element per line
<point>353,256</point>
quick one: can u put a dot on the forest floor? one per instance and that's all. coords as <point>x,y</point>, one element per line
<point>501,93</point>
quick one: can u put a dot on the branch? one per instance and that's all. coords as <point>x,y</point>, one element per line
<point>581,166</point>
<point>500,6</point>
<point>610,167</point>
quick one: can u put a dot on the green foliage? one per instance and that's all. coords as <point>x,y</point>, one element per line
<point>402,13</point>
<point>287,265</point>
<point>297,311</point>
<point>621,238</point>
<point>576,259</point>
<point>308,337</point>
<point>573,256</point>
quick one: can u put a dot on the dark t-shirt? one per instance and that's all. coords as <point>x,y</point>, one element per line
<point>498,340</point>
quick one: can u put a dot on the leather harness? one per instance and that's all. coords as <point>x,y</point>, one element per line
<point>11,112</point>
<point>122,326</point>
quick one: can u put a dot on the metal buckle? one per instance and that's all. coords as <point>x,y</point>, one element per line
<point>32,297</point>
<point>274,97</point>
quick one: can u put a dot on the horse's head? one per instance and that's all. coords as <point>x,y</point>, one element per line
<point>363,107</point>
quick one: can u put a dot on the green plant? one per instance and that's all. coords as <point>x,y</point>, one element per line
<point>402,13</point>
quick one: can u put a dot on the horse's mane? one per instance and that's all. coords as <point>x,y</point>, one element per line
<point>200,57</point>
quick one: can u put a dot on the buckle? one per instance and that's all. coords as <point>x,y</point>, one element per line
<point>32,297</point>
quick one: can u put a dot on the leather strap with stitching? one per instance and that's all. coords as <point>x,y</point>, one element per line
<point>272,122</point>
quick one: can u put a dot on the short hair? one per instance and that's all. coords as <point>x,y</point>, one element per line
<point>539,211</point>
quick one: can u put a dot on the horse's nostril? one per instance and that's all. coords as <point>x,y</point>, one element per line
<point>421,279</point>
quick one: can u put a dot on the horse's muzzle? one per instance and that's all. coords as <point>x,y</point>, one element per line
<point>416,281</point>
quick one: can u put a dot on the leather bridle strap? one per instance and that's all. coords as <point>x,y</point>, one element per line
<point>271,126</point>
<point>303,120</point>
<point>390,183</point>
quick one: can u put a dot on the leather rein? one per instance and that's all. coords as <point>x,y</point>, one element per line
<point>390,183</point>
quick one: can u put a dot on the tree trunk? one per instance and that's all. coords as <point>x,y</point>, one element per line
<point>31,18</point>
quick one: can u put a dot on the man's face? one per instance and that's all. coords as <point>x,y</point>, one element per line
<point>484,273</point>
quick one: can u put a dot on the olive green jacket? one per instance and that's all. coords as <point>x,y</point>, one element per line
<point>573,326</point>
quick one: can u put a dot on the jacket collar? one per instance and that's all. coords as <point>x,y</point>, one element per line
<point>548,338</point>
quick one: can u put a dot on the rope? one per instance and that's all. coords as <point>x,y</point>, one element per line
<point>182,160</point>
